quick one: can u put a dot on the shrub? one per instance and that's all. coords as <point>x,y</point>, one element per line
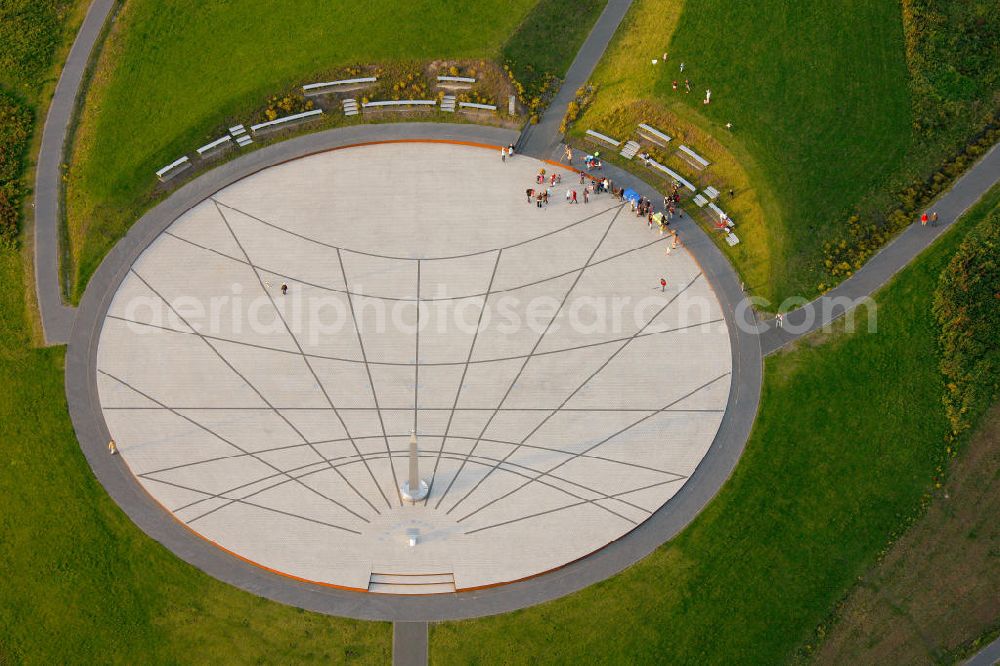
<point>15,131</point>
<point>30,31</point>
<point>967,312</point>
<point>285,105</point>
<point>953,53</point>
<point>8,216</point>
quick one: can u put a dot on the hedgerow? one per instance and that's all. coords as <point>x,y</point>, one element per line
<point>967,311</point>
<point>15,131</point>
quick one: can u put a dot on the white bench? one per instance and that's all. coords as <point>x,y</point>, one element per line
<point>398,103</point>
<point>277,122</point>
<point>711,192</point>
<point>718,211</point>
<point>701,201</point>
<point>693,158</point>
<point>471,105</point>
<point>654,135</point>
<point>218,143</point>
<point>673,174</point>
<point>604,138</point>
<point>732,239</point>
<point>456,79</point>
<point>174,168</point>
<point>333,86</point>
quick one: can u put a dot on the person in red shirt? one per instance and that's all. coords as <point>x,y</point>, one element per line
<point>923,220</point>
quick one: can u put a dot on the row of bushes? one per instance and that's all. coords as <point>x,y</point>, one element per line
<point>967,311</point>
<point>583,97</point>
<point>863,236</point>
<point>16,122</point>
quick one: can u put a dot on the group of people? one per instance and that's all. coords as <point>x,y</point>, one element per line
<point>540,196</point>
<point>642,207</point>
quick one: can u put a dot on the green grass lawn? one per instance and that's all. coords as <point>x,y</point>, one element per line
<point>819,93</point>
<point>173,72</point>
<point>850,432</point>
<point>822,103</point>
<point>82,584</point>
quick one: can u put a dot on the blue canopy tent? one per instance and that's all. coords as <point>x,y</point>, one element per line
<point>632,195</point>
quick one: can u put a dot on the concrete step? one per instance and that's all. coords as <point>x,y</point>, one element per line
<point>429,583</point>
<point>629,150</point>
<point>416,579</point>
<point>388,588</point>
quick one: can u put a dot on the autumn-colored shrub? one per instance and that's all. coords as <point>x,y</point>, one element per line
<point>285,105</point>
<point>967,311</point>
<point>15,130</point>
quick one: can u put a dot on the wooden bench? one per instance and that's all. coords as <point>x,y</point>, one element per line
<point>294,118</point>
<point>654,135</point>
<point>595,137</point>
<point>399,104</point>
<point>327,87</point>
<point>693,158</point>
<point>478,107</point>
<point>214,145</point>
<point>673,174</point>
<point>172,169</point>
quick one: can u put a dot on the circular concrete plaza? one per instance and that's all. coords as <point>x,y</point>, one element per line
<point>558,394</point>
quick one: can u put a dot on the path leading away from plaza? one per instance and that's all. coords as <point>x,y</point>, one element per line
<point>57,317</point>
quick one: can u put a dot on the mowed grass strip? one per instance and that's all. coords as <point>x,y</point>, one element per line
<point>850,431</point>
<point>171,72</point>
<point>82,584</point>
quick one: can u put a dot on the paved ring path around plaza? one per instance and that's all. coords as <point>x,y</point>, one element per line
<point>267,446</point>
